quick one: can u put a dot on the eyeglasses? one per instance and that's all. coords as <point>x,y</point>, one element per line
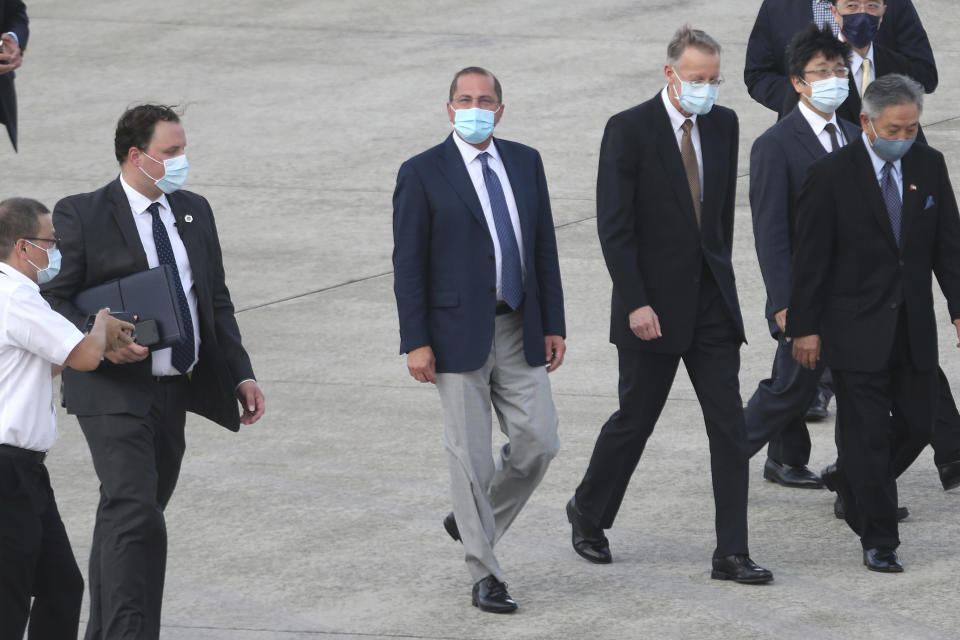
<point>859,6</point>
<point>715,82</point>
<point>56,244</point>
<point>484,102</point>
<point>837,72</point>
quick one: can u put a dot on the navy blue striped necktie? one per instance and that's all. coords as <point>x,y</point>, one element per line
<point>183,352</point>
<point>511,271</point>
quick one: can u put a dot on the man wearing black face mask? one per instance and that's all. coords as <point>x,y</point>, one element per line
<point>765,70</point>
<point>874,220</point>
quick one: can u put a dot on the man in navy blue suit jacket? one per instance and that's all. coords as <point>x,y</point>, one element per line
<point>477,283</point>
<point>13,35</point>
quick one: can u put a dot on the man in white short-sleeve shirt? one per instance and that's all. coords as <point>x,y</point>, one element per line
<point>36,343</point>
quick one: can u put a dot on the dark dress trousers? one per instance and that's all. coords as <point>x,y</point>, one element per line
<point>779,161</point>
<point>657,256</point>
<point>451,306</point>
<point>871,302</point>
<point>765,71</point>
<point>132,423</point>
<point>13,17</point>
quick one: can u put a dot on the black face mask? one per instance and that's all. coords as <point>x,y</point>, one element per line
<point>860,29</point>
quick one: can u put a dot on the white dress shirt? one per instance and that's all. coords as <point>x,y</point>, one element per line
<point>819,126</point>
<point>475,169</point>
<point>161,364</point>
<point>878,163</point>
<point>32,338</point>
<point>676,121</point>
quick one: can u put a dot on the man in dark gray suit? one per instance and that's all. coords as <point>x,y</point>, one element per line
<point>817,64</point>
<point>13,40</point>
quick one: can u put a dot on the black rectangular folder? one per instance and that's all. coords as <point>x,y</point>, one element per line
<point>149,294</point>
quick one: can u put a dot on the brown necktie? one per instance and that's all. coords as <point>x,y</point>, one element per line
<point>689,157</point>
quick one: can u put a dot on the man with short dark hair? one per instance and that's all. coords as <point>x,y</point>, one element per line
<point>477,283</point>
<point>666,187</point>
<point>817,63</point>
<point>36,343</point>
<point>765,71</point>
<point>132,408</point>
<point>875,220</point>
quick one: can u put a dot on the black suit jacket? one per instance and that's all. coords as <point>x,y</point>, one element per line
<point>100,242</point>
<point>647,225</point>
<point>779,161</point>
<point>886,61</point>
<point>765,72</point>
<point>850,278</point>
<point>13,17</point>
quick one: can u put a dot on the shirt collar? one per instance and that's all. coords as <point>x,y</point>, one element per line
<point>17,276</point>
<point>138,201</point>
<point>878,162</point>
<point>856,60</point>
<point>676,118</point>
<point>817,123</point>
<point>470,152</point>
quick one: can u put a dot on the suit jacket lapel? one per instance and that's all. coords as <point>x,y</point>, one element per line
<point>455,172</point>
<point>128,226</point>
<point>672,162</point>
<point>805,135</point>
<point>911,197</point>
<point>850,130</point>
<point>870,188</point>
<point>190,235</point>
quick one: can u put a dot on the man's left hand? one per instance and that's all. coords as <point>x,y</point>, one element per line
<point>10,57</point>
<point>956,325</point>
<point>555,350</point>
<point>252,400</point>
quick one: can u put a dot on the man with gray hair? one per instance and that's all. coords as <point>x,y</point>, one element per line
<point>665,202</point>
<point>874,220</point>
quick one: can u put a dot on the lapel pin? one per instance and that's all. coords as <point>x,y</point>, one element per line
<point>189,218</point>
<point>913,187</point>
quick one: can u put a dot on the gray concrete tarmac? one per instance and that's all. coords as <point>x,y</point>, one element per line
<point>323,520</point>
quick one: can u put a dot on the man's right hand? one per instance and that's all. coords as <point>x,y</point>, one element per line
<point>422,365</point>
<point>117,333</point>
<point>780,317</point>
<point>645,324</point>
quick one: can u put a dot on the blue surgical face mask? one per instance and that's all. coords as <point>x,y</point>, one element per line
<point>860,29</point>
<point>890,150</point>
<point>696,99</point>
<point>828,94</point>
<point>475,124</point>
<point>53,264</point>
<point>174,173</point>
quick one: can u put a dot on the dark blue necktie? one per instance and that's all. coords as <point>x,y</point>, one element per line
<point>891,197</point>
<point>511,272</point>
<point>183,352</point>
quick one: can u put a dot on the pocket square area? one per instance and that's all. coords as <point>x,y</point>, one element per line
<point>929,203</point>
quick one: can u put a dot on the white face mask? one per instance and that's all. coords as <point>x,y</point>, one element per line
<point>53,263</point>
<point>828,94</point>
<point>174,173</point>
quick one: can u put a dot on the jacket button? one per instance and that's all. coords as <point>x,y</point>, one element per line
<point>696,280</point>
<point>493,289</point>
<point>901,263</point>
<point>893,306</point>
<point>491,256</point>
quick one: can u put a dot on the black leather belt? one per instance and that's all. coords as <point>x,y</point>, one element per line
<point>170,379</point>
<point>24,454</point>
<point>503,307</point>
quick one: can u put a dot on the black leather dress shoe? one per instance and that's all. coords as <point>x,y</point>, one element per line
<point>882,559</point>
<point>588,539</point>
<point>950,475</point>
<point>818,408</point>
<point>902,512</point>
<point>491,595</point>
<point>739,568</point>
<point>787,476</point>
<point>450,524</point>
